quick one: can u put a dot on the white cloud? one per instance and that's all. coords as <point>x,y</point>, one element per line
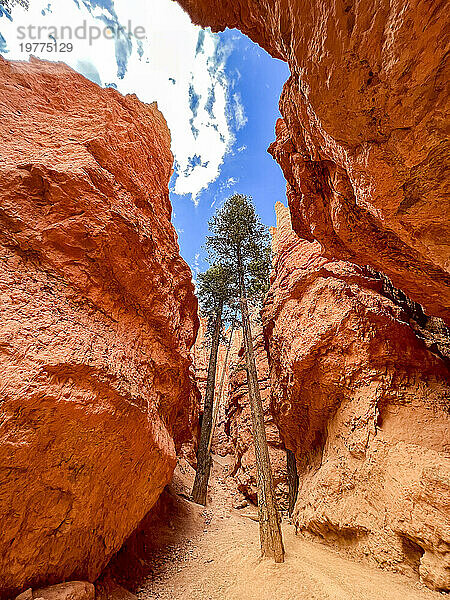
<point>239,113</point>
<point>195,268</point>
<point>178,64</point>
<point>225,185</point>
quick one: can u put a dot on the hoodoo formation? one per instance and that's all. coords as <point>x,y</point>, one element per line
<point>104,359</point>
<point>98,318</point>
<point>363,141</point>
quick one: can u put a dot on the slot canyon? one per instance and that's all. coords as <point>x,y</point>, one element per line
<point>104,350</point>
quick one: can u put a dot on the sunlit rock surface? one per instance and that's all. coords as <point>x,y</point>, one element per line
<point>98,317</point>
<point>360,394</point>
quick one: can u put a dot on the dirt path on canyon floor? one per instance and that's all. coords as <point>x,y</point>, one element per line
<point>210,554</point>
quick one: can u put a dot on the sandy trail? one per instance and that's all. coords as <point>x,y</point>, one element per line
<point>213,553</point>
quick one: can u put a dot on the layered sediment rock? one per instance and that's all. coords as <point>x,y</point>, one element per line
<point>222,443</point>
<point>200,356</point>
<point>233,434</point>
<point>98,318</point>
<point>361,395</point>
<point>363,141</point>
<point>200,359</point>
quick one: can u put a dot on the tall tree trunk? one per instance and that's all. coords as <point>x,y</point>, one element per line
<point>269,521</point>
<point>292,477</point>
<point>200,487</point>
<point>220,392</point>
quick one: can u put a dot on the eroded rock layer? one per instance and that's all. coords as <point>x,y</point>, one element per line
<point>98,316</point>
<point>200,356</point>
<point>363,141</point>
<point>361,395</point>
<point>233,433</point>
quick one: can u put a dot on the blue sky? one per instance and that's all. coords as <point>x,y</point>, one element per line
<point>248,168</point>
<point>218,92</point>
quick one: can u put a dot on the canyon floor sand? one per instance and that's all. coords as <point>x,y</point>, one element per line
<point>213,553</point>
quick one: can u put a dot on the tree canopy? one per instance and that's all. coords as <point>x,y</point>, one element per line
<point>216,294</point>
<point>238,234</point>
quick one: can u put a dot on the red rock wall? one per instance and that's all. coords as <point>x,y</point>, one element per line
<point>363,403</point>
<point>98,318</point>
<point>200,358</point>
<point>356,392</point>
<point>362,142</point>
<point>222,444</point>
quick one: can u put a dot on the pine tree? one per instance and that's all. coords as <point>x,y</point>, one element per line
<point>214,292</point>
<point>240,242</point>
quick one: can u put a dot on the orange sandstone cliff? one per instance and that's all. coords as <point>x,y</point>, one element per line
<point>363,141</point>
<point>98,316</point>
<point>200,357</point>
<point>360,393</point>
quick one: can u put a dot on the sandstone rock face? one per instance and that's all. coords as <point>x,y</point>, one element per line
<point>200,356</point>
<point>361,396</point>
<point>362,141</point>
<point>222,442</point>
<point>233,434</point>
<point>238,425</point>
<point>98,316</point>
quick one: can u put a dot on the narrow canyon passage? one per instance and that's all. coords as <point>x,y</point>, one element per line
<point>212,553</point>
<point>189,269</point>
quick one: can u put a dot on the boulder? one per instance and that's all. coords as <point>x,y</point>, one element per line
<point>71,590</point>
<point>98,319</point>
